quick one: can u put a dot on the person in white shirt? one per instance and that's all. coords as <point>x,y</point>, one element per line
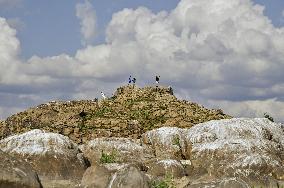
<point>103,95</point>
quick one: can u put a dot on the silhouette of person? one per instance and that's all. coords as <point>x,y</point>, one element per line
<point>129,79</point>
<point>157,79</point>
<point>103,95</point>
<point>134,80</point>
<point>171,91</point>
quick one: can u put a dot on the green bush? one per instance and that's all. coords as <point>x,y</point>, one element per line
<point>159,184</point>
<point>176,141</point>
<point>108,158</point>
<point>167,182</point>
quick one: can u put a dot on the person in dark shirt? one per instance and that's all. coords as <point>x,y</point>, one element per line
<point>134,80</point>
<point>129,80</point>
<point>157,79</point>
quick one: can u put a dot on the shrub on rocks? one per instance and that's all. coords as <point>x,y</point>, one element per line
<point>119,150</point>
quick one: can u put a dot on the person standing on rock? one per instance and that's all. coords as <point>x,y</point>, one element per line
<point>157,79</point>
<point>129,80</point>
<point>103,95</point>
<point>134,80</point>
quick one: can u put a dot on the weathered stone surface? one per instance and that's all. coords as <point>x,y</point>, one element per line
<point>129,177</point>
<point>96,176</point>
<point>123,150</point>
<point>53,156</point>
<point>167,142</point>
<point>166,167</point>
<point>250,149</point>
<point>224,183</point>
<point>16,173</point>
<point>113,175</point>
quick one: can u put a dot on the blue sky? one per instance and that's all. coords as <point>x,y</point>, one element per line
<point>220,53</point>
<point>51,27</point>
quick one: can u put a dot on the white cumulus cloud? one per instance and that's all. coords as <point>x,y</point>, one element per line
<point>88,20</point>
<point>223,54</point>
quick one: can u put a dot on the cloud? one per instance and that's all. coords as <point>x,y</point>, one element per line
<point>231,57</point>
<point>88,20</point>
<point>252,108</point>
<point>9,49</point>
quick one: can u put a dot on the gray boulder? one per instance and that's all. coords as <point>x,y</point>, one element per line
<point>129,177</point>
<point>248,149</point>
<point>167,167</point>
<point>53,156</point>
<point>167,142</point>
<point>16,173</point>
<point>121,150</point>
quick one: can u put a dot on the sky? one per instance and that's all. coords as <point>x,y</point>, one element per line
<point>226,54</point>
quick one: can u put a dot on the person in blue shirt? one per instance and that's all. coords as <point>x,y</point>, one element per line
<point>129,80</point>
<point>134,80</point>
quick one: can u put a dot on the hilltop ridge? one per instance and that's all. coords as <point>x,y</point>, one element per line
<point>130,112</point>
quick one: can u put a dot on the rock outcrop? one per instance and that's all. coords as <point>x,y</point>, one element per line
<point>166,142</point>
<point>121,150</point>
<point>15,173</point>
<point>114,175</point>
<point>53,156</point>
<point>97,176</point>
<point>166,167</point>
<point>140,137</point>
<point>247,149</point>
<point>129,177</point>
<point>130,112</point>
<point>238,152</point>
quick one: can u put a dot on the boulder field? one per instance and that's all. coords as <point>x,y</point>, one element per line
<point>227,153</point>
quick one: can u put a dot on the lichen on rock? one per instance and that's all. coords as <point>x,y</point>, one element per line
<point>53,156</point>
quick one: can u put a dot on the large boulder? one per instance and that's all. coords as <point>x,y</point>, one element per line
<point>118,149</point>
<point>129,177</point>
<point>249,149</point>
<point>167,142</point>
<point>114,175</point>
<point>54,157</point>
<point>16,173</point>
<point>166,168</point>
<point>97,176</point>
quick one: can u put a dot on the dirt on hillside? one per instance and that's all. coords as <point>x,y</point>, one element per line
<point>130,112</point>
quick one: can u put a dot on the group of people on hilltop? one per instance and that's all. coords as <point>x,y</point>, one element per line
<point>133,80</point>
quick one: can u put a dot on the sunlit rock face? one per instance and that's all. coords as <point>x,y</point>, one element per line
<point>250,149</point>
<point>53,156</point>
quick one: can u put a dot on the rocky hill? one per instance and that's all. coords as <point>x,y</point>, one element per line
<point>130,112</point>
<point>228,153</point>
<point>139,137</point>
